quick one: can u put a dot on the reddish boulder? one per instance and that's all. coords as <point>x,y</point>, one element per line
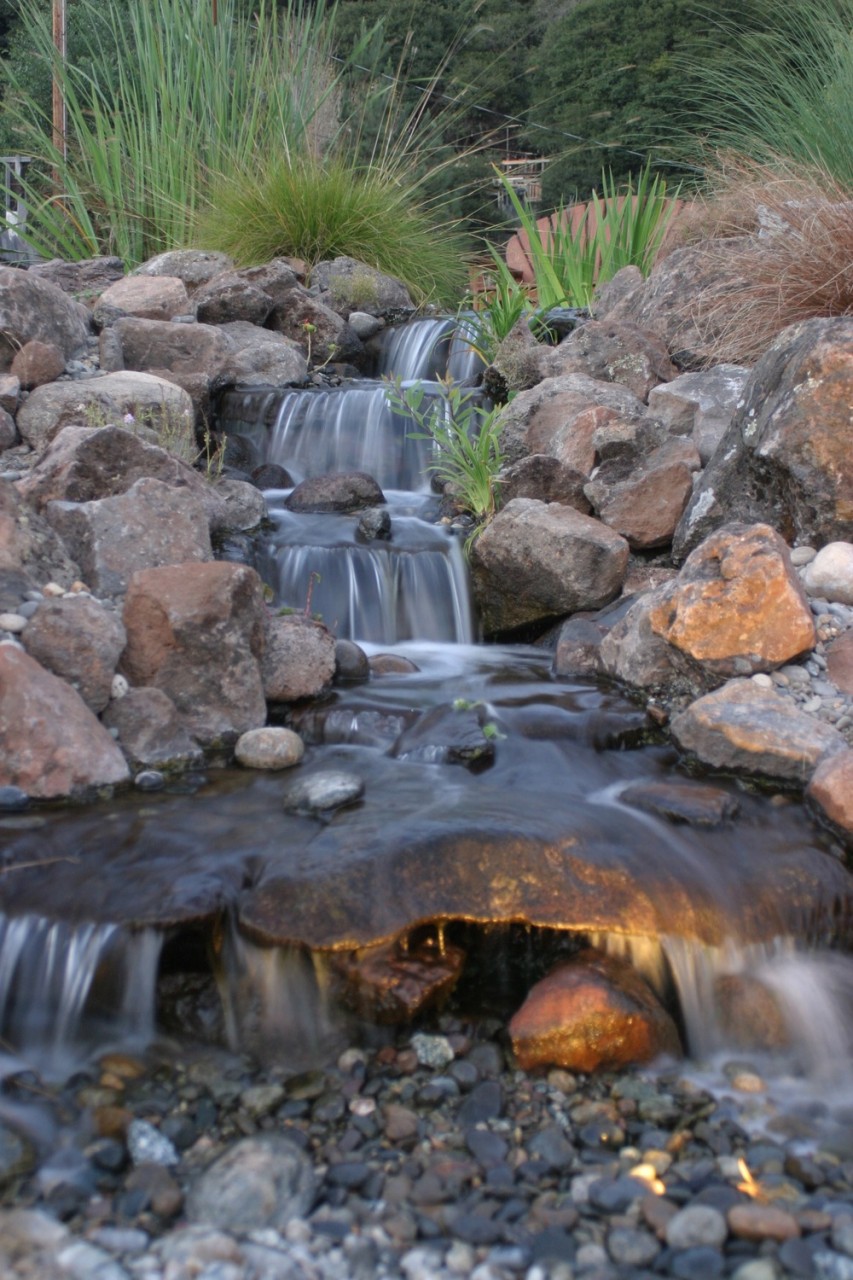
<point>593,1014</point>
<point>737,605</point>
<point>37,363</point>
<point>196,631</point>
<point>387,984</point>
<point>149,297</point>
<point>51,744</point>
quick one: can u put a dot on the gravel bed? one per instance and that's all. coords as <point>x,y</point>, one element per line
<point>427,1158</point>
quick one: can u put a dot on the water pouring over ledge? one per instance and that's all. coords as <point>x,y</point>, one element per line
<point>494,794</point>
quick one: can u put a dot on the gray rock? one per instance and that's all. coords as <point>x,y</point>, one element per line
<point>696,1225</point>
<point>264,1181</point>
<point>347,285</point>
<point>700,405</point>
<point>80,640</point>
<point>32,309</point>
<point>341,492</point>
<point>539,561</point>
<point>193,266</point>
<point>259,357</point>
<point>298,659</point>
<point>153,524</point>
<point>150,733</point>
<point>105,400</point>
<point>323,791</point>
<point>147,1145</point>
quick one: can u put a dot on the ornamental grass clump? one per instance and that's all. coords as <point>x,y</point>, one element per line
<point>783,235</point>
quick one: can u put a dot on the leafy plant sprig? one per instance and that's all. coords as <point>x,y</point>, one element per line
<point>468,453</point>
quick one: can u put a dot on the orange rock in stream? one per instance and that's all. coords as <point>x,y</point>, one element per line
<point>595,1013</point>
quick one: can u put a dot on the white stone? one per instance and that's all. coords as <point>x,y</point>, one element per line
<point>269,748</point>
<point>12,622</point>
<point>830,574</point>
<point>119,687</point>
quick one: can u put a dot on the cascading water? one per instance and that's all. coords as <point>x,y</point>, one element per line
<point>537,830</point>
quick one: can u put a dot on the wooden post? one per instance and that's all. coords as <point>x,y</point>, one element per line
<point>59,112</point>
<point>215,14</point>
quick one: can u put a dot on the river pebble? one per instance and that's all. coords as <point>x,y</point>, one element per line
<point>275,1176</point>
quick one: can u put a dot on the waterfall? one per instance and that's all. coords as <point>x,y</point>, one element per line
<point>59,981</point>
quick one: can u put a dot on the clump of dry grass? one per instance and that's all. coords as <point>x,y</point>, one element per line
<point>784,233</point>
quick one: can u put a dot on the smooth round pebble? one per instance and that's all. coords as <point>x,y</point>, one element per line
<point>698,1224</point>
<point>13,799</point>
<point>270,748</point>
<point>149,780</point>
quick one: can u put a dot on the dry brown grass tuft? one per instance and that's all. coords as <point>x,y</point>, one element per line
<point>787,234</point>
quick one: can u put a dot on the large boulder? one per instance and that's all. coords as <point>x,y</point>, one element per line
<point>80,640</point>
<point>831,792</point>
<point>538,561</point>
<point>85,280</point>
<point>745,728</point>
<point>143,345</point>
<point>249,294</point>
<point>149,731</point>
<point>34,309</point>
<point>149,297</point>
<point>321,332</point>
<point>736,607</point>
<point>644,500</point>
<point>298,660</point>
<point>259,357</point>
<point>339,491</point>
<point>593,1014</point>
<point>559,417</point>
<point>196,631</point>
<point>98,401</point>
<point>151,524</point>
<point>194,266</point>
<point>786,458</point>
<point>348,285</point>
<point>51,744</point>
<point>613,352</point>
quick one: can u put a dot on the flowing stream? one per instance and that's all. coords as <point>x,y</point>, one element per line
<point>500,803</point>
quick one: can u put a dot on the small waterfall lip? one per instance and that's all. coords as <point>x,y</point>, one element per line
<point>62,983</point>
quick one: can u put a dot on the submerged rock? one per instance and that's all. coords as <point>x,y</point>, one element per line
<point>340,492</point>
<point>264,1181</point>
<point>595,1013</point>
<point>323,791</point>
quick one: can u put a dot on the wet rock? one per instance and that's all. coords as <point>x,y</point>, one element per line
<point>147,1145</point>
<point>351,661</point>
<point>269,748</point>
<point>150,525</point>
<point>79,640</point>
<point>753,730</point>
<point>611,351</point>
<point>749,1013</point>
<point>17,1158</point>
<point>8,431</point>
<point>595,1013</point>
<point>830,574</point>
<point>260,1182</point>
<point>839,661</point>
<point>391,664</point>
<point>107,400</point>
<point>340,492</point>
<point>831,791</point>
<point>35,310</point>
<point>196,632</point>
<point>737,605</point>
<point>579,639</point>
<point>324,791</point>
<point>432,1051</point>
<point>50,742</point>
<point>149,731</point>
<point>260,358</point>
<point>690,802</point>
<point>298,659</point>
<point>449,735</point>
<point>13,800</point>
<point>158,344</point>
<point>374,524</point>
<point>151,1186</point>
<point>538,561</point>
<point>783,460</point>
<point>559,417</point>
<point>646,505</point>
<point>545,478</point>
<point>243,507</point>
<point>37,363</point>
<point>388,985</point>
<point>193,266</point>
<point>147,297</point>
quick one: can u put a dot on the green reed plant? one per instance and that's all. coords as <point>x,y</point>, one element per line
<point>798,110</point>
<point>489,315</point>
<point>615,230</point>
<point>176,100</point>
<point>468,454</point>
